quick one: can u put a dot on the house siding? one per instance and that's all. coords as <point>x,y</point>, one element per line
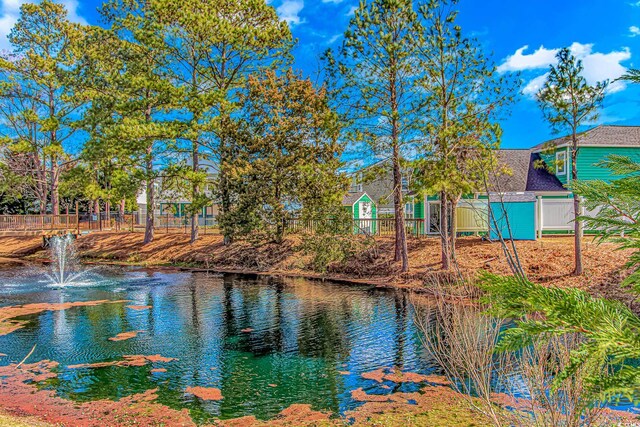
<point>589,157</point>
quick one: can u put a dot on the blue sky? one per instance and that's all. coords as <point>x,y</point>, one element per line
<point>519,35</point>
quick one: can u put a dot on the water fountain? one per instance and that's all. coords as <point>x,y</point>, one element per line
<point>65,268</point>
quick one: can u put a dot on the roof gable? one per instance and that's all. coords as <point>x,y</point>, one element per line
<point>353,198</point>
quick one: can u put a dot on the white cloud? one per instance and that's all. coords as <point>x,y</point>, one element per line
<point>519,61</point>
<point>634,31</point>
<point>290,10</point>
<point>535,85</point>
<point>332,1</point>
<point>598,66</point>
<point>334,38</point>
<point>352,11</point>
<point>10,12</point>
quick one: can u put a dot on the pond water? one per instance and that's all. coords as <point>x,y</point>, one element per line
<point>266,343</point>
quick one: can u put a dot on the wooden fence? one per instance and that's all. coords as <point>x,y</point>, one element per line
<point>31,223</point>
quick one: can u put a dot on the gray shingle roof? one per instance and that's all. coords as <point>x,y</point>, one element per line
<point>522,174</point>
<point>514,178</point>
<point>622,136</point>
<point>351,198</point>
<point>540,179</point>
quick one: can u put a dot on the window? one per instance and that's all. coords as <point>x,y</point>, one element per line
<point>405,184</point>
<point>561,163</point>
<point>409,210</point>
<point>356,184</point>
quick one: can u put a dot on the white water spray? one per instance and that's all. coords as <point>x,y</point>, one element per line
<point>65,268</point>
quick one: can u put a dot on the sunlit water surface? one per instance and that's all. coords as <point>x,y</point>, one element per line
<point>305,335</point>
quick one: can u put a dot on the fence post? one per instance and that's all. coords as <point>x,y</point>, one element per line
<point>582,212</point>
<point>77,218</point>
<point>540,217</point>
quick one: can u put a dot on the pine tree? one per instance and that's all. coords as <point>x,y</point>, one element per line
<point>464,96</point>
<point>617,216</point>
<point>378,73</point>
<point>136,92</point>
<point>568,102</point>
<point>37,94</point>
<point>609,330</point>
<point>214,46</point>
<point>187,31</point>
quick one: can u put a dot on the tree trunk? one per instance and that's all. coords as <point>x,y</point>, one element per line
<point>55,184</point>
<point>401,251</point>
<point>96,207</point>
<point>444,231</point>
<point>578,269</point>
<point>122,208</point>
<point>195,192</point>
<point>454,227</point>
<point>578,237</point>
<point>55,168</point>
<point>225,193</point>
<point>149,230</point>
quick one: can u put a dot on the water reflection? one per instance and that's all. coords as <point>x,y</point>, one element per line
<point>266,343</point>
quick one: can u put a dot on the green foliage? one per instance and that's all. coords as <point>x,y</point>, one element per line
<point>464,96</point>
<point>611,332</point>
<point>38,99</point>
<point>377,71</point>
<point>213,45</point>
<point>616,207</point>
<point>566,99</point>
<point>287,158</point>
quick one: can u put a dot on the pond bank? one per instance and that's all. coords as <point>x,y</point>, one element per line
<point>548,261</point>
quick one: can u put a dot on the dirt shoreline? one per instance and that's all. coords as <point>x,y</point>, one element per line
<point>548,261</point>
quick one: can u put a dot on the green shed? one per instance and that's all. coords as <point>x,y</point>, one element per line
<point>363,210</point>
<point>512,216</point>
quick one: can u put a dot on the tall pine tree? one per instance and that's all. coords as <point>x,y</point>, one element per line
<point>568,102</point>
<point>378,74</point>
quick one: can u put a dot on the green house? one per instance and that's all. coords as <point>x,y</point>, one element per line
<point>363,210</point>
<point>594,146</point>
<point>531,199</point>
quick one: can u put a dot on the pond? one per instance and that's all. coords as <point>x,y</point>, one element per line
<point>265,342</point>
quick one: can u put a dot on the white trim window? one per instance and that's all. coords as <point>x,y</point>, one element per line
<point>561,162</point>
<point>409,211</point>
